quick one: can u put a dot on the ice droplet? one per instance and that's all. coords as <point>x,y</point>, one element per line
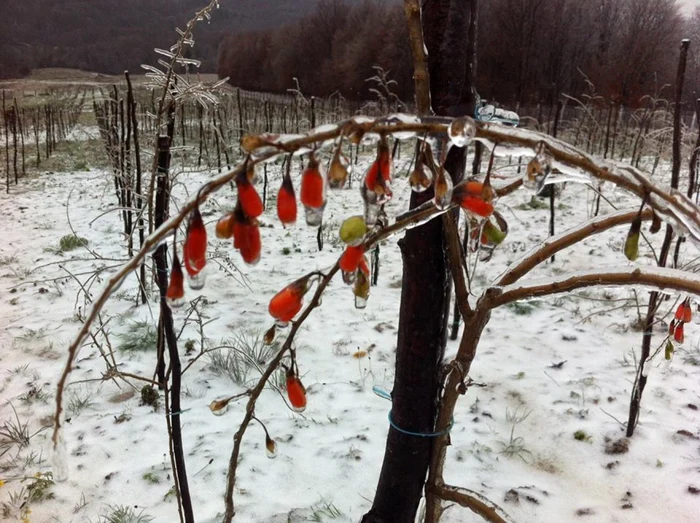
<point>371,205</point>
<point>360,302</point>
<point>443,190</point>
<point>176,303</point>
<point>219,407</point>
<point>197,281</point>
<point>314,216</point>
<point>59,459</point>
<point>462,131</point>
<point>281,324</point>
<point>270,447</point>
<point>420,179</point>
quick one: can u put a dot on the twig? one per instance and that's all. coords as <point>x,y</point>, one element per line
<point>474,501</point>
<point>257,390</point>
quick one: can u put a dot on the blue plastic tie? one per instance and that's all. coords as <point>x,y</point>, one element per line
<point>382,393</point>
<point>179,412</point>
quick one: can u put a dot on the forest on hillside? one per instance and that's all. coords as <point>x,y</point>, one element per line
<point>109,36</point>
<point>529,51</point>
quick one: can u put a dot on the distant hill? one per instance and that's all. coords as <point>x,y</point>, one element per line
<point>109,36</point>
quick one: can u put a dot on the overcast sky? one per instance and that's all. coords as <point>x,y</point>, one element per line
<point>690,5</point>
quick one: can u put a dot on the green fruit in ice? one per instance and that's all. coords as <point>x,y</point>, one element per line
<point>353,230</point>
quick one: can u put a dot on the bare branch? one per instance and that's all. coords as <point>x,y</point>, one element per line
<point>474,501</point>
<point>568,238</point>
<point>658,277</point>
<point>421,76</point>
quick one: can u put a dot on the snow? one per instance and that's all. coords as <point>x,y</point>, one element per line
<point>332,452</point>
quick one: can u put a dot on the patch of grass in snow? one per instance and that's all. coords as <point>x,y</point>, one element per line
<point>15,432</point>
<point>522,308</point>
<point>34,395</point>
<point>515,446</point>
<point>534,204</point>
<point>71,242</point>
<point>78,400</point>
<point>582,435</point>
<point>324,510</point>
<point>237,356</point>
<point>151,477</point>
<point>8,260</point>
<point>140,337</point>
<point>32,334</point>
<point>123,514</point>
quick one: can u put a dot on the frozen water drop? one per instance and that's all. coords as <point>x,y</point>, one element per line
<point>360,302</point>
<point>270,448</point>
<point>462,131</point>
<point>219,407</point>
<point>314,216</point>
<point>176,303</point>
<point>197,281</point>
<point>420,179</point>
<point>59,459</point>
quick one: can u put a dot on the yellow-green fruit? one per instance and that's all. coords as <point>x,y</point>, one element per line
<point>668,353</point>
<point>493,233</point>
<point>353,230</point>
<point>632,247</point>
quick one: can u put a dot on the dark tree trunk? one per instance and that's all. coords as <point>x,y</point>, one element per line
<point>425,294</point>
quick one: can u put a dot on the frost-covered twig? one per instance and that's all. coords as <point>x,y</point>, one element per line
<point>656,277</point>
<point>566,239</point>
<point>474,501</point>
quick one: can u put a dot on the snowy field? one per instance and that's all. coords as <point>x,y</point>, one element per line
<point>514,438</point>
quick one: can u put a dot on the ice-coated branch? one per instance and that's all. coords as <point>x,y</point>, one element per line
<point>657,277</point>
<point>669,203</point>
<point>421,77</point>
<point>265,147</point>
<point>474,501</point>
<point>455,257</point>
<point>566,239</point>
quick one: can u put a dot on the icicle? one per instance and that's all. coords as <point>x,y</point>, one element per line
<point>59,460</point>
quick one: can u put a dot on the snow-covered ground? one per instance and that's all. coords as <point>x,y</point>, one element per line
<point>513,439</point>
